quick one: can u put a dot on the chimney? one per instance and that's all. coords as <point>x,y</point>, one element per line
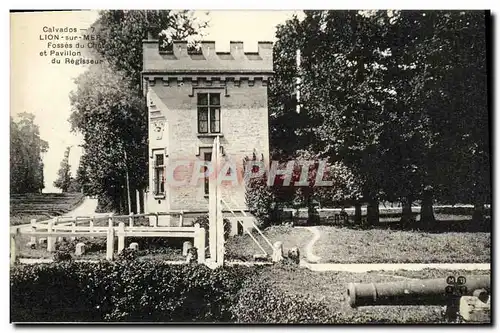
<point>236,49</point>
<point>180,48</point>
<point>208,48</point>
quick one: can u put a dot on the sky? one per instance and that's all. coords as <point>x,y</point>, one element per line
<point>42,88</point>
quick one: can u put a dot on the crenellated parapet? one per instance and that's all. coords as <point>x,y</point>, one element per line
<point>207,65</point>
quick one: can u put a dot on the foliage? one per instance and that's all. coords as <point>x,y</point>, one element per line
<point>392,95</point>
<point>260,302</point>
<point>63,180</point>
<point>121,34</point>
<point>127,254</point>
<point>113,121</point>
<point>74,185</point>
<point>204,222</point>
<point>97,244</point>
<point>260,201</point>
<point>266,197</point>
<point>62,255</point>
<point>108,107</point>
<point>145,291</point>
<point>26,149</point>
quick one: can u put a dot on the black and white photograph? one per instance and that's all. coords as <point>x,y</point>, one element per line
<point>251,166</point>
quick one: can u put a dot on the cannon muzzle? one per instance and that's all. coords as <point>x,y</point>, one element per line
<point>415,292</point>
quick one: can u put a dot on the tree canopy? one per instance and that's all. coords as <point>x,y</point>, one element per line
<point>26,149</point>
<point>108,106</point>
<point>399,97</point>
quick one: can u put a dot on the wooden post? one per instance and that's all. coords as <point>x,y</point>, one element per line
<point>129,200</point>
<point>73,229</point>
<point>131,219</point>
<point>212,207</point>
<point>199,242</point>
<point>33,229</point>
<point>50,239</point>
<point>110,242</point>
<point>91,225</point>
<point>13,247</point>
<point>110,220</point>
<point>155,224</point>
<point>121,236</point>
<point>181,219</point>
<point>218,209</point>
<point>138,202</point>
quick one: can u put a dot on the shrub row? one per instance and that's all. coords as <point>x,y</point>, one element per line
<point>149,291</point>
<point>259,301</point>
<point>124,290</point>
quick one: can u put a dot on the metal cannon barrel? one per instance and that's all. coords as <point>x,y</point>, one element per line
<point>414,292</point>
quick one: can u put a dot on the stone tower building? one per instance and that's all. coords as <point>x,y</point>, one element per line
<point>193,98</point>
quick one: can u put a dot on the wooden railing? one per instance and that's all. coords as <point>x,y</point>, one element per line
<point>84,226</point>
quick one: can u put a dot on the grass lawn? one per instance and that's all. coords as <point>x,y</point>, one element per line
<point>243,247</point>
<point>344,245</point>
<point>331,289</point>
<point>96,249</point>
<point>41,206</point>
<point>23,218</point>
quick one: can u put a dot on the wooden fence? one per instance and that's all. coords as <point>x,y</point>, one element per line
<point>84,226</point>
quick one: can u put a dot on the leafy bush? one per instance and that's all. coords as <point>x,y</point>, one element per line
<point>260,200</point>
<point>204,222</point>
<point>124,291</point>
<point>62,255</point>
<point>92,245</point>
<point>127,254</point>
<point>260,302</point>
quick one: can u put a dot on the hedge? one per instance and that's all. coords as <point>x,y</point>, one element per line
<point>146,291</point>
<point>150,291</point>
<point>258,301</point>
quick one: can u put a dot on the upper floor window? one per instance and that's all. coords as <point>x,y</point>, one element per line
<point>208,112</point>
<point>159,173</point>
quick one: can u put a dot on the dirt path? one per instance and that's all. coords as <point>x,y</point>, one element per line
<point>354,268</point>
<point>361,268</point>
<point>311,257</point>
<point>86,208</point>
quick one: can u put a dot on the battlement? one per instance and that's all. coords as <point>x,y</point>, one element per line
<point>207,60</point>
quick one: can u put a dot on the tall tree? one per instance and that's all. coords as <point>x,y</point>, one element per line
<point>63,180</point>
<point>341,90</point>
<point>112,119</point>
<point>395,96</point>
<point>109,109</point>
<point>26,150</point>
<point>441,106</point>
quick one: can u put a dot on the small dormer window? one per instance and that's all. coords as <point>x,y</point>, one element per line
<point>208,112</point>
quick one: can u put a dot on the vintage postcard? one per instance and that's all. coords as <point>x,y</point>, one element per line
<point>248,167</point>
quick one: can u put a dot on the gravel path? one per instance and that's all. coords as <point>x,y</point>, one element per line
<point>86,208</point>
<point>309,247</point>
<point>362,268</point>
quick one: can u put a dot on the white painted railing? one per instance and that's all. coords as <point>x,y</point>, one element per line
<point>73,227</point>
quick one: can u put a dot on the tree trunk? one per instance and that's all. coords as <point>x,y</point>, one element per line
<point>357,213</point>
<point>478,220</point>
<point>372,212</point>
<point>312,212</point>
<point>427,219</point>
<point>406,215</point>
